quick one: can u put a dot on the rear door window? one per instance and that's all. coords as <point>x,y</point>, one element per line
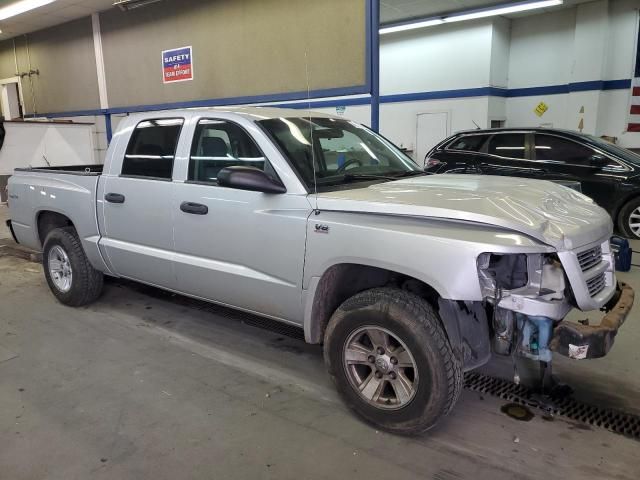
<point>508,145</point>
<point>152,149</point>
<point>468,143</point>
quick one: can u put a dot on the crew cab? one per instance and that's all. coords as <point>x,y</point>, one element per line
<point>607,173</point>
<point>407,279</point>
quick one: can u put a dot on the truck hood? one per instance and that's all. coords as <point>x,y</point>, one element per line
<point>546,211</point>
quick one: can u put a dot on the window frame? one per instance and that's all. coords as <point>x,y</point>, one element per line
<point>193,139</point>
<point>623,167</point>
<point>173,164</point>
<point>472,152</point>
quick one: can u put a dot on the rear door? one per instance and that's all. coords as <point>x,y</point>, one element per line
<point>508,153</point>
<point>136,197</point>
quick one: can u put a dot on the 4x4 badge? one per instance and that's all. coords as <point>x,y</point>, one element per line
<point>320,228</point>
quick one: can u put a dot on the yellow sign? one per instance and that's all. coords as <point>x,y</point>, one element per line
<point>540,109</point>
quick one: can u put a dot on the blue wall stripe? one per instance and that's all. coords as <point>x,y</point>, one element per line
<point>595,85</point>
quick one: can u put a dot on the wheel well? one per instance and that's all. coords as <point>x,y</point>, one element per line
<point>342,281</point>
<point>48,221</point>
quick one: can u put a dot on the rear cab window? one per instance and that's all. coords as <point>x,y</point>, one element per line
<point>152,149</point>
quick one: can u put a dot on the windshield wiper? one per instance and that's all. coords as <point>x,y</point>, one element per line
<point>366,176</point>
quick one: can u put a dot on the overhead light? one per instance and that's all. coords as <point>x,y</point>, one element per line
<point>410,26</point>
<point>504,9</point>
<point>132,4</point>
<point>22,6</point>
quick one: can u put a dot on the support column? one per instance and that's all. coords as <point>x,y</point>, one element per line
<point>374,42</point>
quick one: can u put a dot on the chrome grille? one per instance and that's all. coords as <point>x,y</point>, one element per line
<point>596,284</point>
<point>590,258</point>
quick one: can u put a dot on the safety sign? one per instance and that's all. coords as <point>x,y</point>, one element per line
<point>177,65</point>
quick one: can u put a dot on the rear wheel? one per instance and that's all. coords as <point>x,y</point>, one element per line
<point>391,361</point>
<point>629,219</point>
<point>70,276</point>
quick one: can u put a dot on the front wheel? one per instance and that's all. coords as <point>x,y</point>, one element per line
<point>70,276</point>
<point>391,360</point>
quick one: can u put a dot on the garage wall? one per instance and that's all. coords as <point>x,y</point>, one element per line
<point>593,42</point>
<point>240,47</point>
<point>65,59</point>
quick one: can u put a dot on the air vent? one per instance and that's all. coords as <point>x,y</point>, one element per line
<point>596,284</point>
<point>590,258</point>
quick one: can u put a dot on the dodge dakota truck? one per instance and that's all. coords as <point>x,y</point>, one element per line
<point>407,279</point>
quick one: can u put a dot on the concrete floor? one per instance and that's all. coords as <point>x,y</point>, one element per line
<point>138,386</point>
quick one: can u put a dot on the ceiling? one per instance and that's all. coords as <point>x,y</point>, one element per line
<point>391,11</point>
<point>55,13</point>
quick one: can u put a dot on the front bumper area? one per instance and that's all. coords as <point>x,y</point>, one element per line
<point>580,341</point>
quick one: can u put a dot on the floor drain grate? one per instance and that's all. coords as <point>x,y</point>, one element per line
<point>618,422</point>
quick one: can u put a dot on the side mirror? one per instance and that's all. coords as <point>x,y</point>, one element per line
<point>249,178</point>
<point>598,161</point>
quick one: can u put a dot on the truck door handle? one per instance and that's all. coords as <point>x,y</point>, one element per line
<point>194,208</point>
<point>114,198</point>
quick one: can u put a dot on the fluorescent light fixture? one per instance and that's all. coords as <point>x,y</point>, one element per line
<point>22,6</point>
<point>410,26</point>
<point>504,9</point>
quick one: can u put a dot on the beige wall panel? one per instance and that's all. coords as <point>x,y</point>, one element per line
<point>240,48</point>
<point>7,62</point>
<point>65,57</point>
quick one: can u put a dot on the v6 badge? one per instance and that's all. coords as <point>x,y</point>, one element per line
<point>321,228</point>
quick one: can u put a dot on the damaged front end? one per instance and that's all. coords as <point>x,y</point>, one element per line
<point>529,296</point>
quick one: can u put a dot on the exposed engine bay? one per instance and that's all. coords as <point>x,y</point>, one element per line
<point>527,297</point>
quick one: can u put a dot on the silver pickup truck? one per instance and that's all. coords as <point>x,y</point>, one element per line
<point>407,279</point>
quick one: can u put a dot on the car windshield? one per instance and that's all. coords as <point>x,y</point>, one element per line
<point>623,153</point>
<point>331,152</point>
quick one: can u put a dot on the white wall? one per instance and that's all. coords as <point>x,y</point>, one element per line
<point>594,41</point>
<point>444,57</point>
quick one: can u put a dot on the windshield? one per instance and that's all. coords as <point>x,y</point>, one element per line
<point>623,153</point>
<point>342,151</point>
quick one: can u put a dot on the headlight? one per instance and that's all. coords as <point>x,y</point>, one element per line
<point>533,275</point>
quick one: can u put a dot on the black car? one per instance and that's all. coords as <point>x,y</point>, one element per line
<point>605,172</point>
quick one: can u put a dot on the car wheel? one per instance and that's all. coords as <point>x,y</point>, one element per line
<point>391,361</point>
<point>629,219</point>
<point>70,276</point>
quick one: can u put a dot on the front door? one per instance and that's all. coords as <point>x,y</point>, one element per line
<point>137,205</point>
<point>236,247</point>
<point>569,161</point>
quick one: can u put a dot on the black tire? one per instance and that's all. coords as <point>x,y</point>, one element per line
<point>624,217</point>
<point>415,323</point>
<point>86,282</point>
